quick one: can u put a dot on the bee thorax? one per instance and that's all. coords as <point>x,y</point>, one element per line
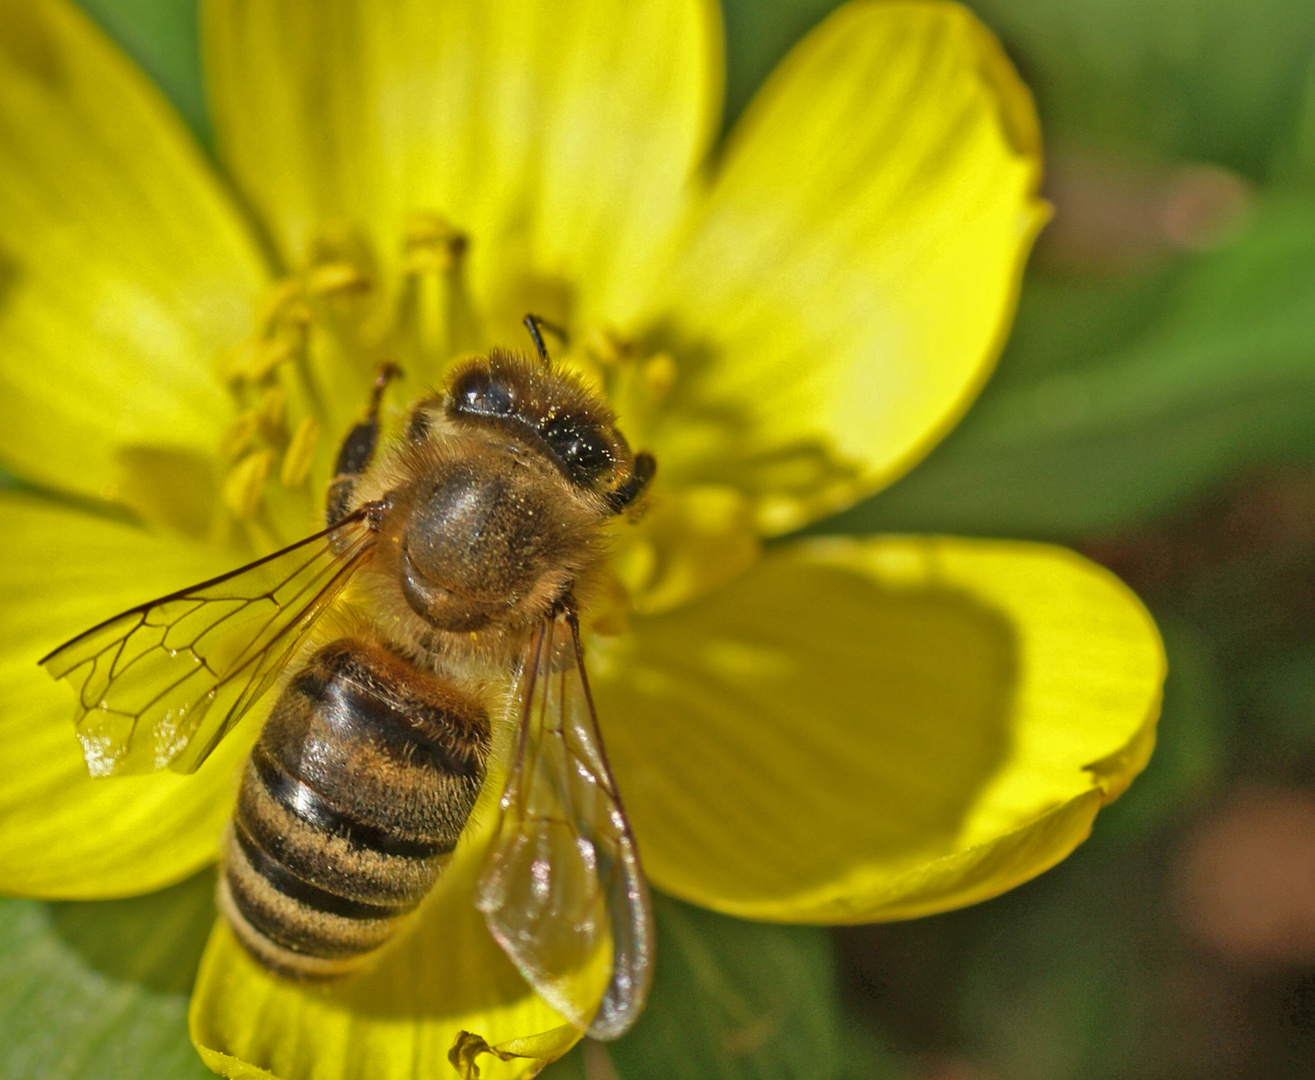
<point>488,535</point>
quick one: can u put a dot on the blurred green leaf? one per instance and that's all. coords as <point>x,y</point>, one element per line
<point>1210,80</point>
<point>100,990</point>
<point>758,34</point>
<point>1222,379</point>
<point>162,36</point>
<point>732,1000</point>
<point>1059,980</point>
<point>867,1055</point>
<point>1279,693</point>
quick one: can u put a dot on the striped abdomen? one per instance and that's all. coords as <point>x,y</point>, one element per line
<point>350,804</point>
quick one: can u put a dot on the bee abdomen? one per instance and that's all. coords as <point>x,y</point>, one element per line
<point>351,801</point>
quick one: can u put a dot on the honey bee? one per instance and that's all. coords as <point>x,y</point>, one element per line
<point>466,543</point>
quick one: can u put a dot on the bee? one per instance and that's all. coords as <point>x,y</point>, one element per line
<point>466,544</point>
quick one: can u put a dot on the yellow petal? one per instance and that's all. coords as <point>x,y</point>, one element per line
<point>691,541</point>
<point>63,834</point>
<point>442,996</point>
<point>124,271</point>
<point>545,1047</point>
<point>852,276</point>
<point>557,135</point>
<point>874,729</point>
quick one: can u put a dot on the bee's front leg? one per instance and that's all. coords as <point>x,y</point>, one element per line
<point>356,452</point>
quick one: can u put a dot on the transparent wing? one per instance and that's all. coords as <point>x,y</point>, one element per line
<point>163,683</point>
<point>562,884</point>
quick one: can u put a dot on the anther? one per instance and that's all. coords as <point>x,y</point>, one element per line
<point>284,304</point>
<point>244,486</point>
<point>300,453</point>
<point>237,439</point>
<point>255,361</point>
<point>270,413</point>
<point>658,373</point>
<point>335,277</point>
<point>605,346</point>
<point>431,244</point>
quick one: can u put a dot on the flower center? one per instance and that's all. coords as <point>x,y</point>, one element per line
<point>326,328</point>
<point>301,380</point>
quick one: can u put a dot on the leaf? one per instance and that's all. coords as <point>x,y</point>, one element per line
<point>1064,998</point>
<point>758,35</point>
<point>100,990</point>
<point>163,37</point>
<point>1212,80</point>
<point>732,1000</point>
<point>1279,695</point>
<point>1028,986</point>
<point>1222,379</point>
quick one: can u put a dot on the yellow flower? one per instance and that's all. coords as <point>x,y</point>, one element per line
<point>819,731</point>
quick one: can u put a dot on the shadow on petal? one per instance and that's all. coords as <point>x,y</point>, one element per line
<point>805,722</point>
<point>857,730</point>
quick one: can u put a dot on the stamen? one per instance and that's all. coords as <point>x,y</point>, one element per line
<point>300,453</point>
<point>270,413</point>
<point>244,486</point>
<point>605,346</point>
<point>237,439</point>
<point>284,305</point>
<point>658,373</point>
<point>336,277</point>
<point>434,318</point>
<point>334,317</point>
<point>431,245</point>
<point>634,381</point>
<point>256,361</point>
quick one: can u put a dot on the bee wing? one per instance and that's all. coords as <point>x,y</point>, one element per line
<point>163,683</point>
<point>562,878</point>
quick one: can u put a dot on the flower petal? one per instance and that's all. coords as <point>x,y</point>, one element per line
<point>853,273</point>
<point>124,271</point>
<point>62,833</point>
<point>874,729</point>
<point>559,136</point>
<point>692,541</point>
<point>443,996</point>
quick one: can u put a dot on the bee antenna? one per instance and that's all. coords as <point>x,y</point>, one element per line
<point>536,324</point>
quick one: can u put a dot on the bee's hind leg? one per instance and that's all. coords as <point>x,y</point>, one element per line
<point>356,452</point>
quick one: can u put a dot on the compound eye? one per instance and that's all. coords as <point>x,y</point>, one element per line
<point>481,393</point>
<point>583,449</point>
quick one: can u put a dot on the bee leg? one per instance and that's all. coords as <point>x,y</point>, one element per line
<point>356,452</point>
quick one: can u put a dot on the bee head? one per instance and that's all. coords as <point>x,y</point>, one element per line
<point>552,410</point>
